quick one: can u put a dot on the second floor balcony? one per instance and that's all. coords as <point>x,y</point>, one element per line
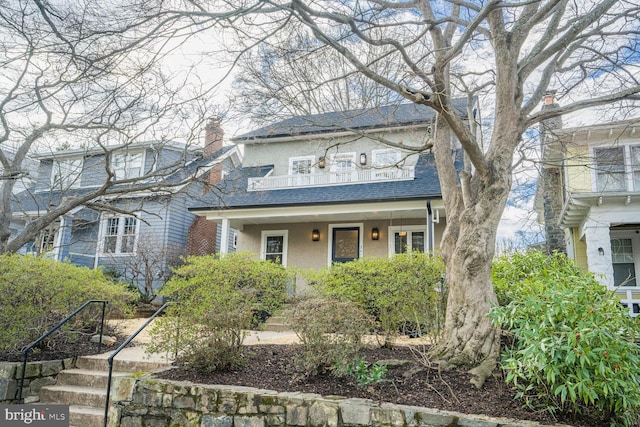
<point>362,176</point>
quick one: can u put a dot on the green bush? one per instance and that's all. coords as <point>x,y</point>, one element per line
<point>404,293</point>
<point>573,342</point>
<point>215,300</point>
<point>330,333</point>
<point>36,293</point>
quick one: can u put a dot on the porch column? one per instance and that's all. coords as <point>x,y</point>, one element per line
<point>224,239</point>
<point>430,239</point>
<point>599,261</point>
<point>63,239</point>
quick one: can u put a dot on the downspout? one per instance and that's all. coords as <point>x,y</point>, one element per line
<point>430,239</point>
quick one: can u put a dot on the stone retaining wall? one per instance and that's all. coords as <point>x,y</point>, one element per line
<point>37,375</point>
<point>164,403</point>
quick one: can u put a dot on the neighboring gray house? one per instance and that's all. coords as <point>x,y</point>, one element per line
<point>118,231</point>
<point>319,189</point>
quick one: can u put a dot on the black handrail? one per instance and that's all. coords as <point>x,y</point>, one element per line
<point>52,330</point>
<point>122,346</point>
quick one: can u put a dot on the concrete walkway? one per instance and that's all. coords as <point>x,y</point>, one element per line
<point>136,350</point>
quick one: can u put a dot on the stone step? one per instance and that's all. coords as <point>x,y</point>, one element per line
<point>100,363</point>
<point>88,378</point>
<point>73,394</point>
<point>86,416</point>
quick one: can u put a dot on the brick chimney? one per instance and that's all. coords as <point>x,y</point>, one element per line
<point>203,234</point>
<point>213,137</point>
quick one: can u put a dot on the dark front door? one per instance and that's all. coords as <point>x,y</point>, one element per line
<point>346,244</point>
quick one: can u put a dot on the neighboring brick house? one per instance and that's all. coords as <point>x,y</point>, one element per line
<point>116,230</point>
<point>598,187</point>
<point>319,189</point>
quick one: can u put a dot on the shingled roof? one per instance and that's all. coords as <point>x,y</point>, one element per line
<point>367,118</point>
<point>232,192</point>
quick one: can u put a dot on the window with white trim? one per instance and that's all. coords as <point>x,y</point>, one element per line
<point>127,165</point>
<point>66,173</point>
<point>407,238</point>
<point>274,246</point>
<point>343,167</point>
<point>385,157</point>
<point>625,254</point>
<point>301,169</point>
<point>384,162</point>
<point>119,234</point>
<point>616,168</point>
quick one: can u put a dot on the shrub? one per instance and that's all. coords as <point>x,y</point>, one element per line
<point>216,298</point>
<point>36,293</point>
<point>573,346</point>
<point>404,293</point>
<point>330,332</point>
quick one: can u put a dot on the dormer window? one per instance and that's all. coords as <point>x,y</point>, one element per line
<point>66,173</point>
<point>127,165</point>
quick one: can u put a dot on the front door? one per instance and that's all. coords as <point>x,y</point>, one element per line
<point>346,244</point>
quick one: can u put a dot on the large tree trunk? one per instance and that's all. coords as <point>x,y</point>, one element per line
<point>474,206</point>
<point>469,336</point>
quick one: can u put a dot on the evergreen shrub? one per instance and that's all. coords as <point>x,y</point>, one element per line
<point>215,301</point>
<point>404,293</point>
<point>330,333</point>
<point>573,343</point>
<point>36,293</point>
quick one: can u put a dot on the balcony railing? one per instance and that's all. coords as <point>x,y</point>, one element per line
<point>362,176</point>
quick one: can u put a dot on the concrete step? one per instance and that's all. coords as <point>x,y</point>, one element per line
<point>88,378</point>
<point>277,324</point>
<point>73,394</point>
<point>100,363</point>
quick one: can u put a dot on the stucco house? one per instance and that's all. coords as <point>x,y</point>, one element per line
<point>318,189</point>
<point>598,199</point>
<point>118,229</point>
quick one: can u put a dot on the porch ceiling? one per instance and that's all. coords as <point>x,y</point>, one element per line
<point>397,210</point>
<point>578,206</point>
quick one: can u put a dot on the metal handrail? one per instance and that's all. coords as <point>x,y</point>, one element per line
<point>122,346</point>
<point>26,350</point>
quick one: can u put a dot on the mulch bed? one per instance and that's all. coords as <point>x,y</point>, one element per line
<point>270,367</point>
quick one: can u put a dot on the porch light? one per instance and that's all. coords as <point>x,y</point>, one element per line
<point>402,233</point>
<point>375,234</point>
<point>363,158</point>
<point>601,251</point>
<point>315,235</point>
<point>321,162</point>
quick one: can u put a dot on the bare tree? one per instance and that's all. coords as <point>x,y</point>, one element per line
<point>149,267</point>
<point>514,50</point>
<point>295,74</point>
<point>87,75</point>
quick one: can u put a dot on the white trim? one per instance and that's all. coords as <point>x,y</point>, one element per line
<point>360,225</point>
<point>392,230</point>
<point>312,160</point>
<point>381,151</point>
<point>104,217</point>
<point>285,243</point>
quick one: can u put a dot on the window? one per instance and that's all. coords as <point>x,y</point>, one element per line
<point>301,169</point>
<point>127,165</point>
<point>343,167</point>
<point>274,246</point>
<point>408,238</point>
<point>610,169</point>
<point>66,173</point>
<point>617,168</point>
<point>384,162</point>
<point>119,234</point>
<point>387,157</point>
<point>624,272</point>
